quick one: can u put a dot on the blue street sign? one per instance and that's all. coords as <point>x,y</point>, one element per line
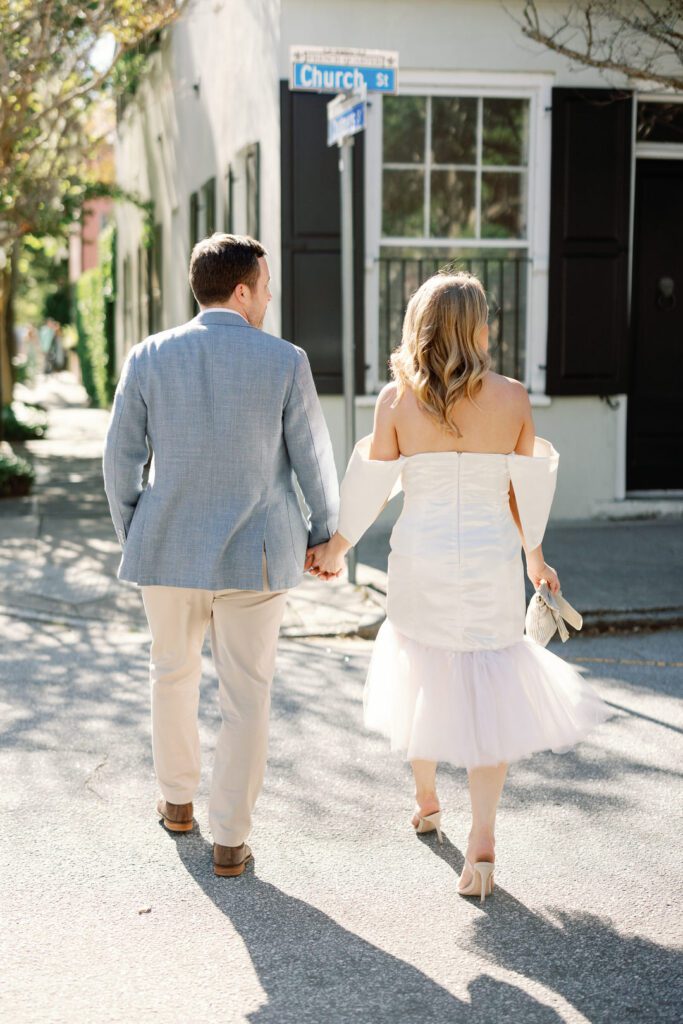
<point>316,77</point>
<point>325,69</point>
<point>345,116</point>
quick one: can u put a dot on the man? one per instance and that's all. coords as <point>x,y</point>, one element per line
<point>217,536</point>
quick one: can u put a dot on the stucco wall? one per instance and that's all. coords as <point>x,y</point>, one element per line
<point>432,34</point>
<point>212,90</point>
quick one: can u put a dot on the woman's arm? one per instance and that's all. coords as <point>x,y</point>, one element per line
<point>327,560</point>
<point>384,445</point>
<point>536,566</point>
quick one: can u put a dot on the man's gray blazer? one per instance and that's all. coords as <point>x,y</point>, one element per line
<point>230,414</point>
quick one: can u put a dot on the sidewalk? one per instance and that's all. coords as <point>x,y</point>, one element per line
<point>59,554</point>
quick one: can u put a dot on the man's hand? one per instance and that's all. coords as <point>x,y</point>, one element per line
<point>327,560</point>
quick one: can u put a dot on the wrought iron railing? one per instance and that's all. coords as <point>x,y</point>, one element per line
<point>504,279</point>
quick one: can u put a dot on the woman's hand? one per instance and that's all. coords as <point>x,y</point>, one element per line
<point>327,560</point>
<point>537,569</point>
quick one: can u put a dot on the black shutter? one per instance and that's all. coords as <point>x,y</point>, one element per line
<point>589,239</point>
<point>311,264</point>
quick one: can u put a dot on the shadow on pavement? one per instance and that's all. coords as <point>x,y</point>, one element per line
<point>605,975</point>
<point>312,969</point>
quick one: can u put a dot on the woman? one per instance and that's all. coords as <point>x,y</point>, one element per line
<point>452,676</point>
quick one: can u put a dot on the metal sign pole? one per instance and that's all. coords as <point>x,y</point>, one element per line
<point>348,339</point>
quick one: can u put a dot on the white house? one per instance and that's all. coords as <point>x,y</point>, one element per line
<point>563,192</point>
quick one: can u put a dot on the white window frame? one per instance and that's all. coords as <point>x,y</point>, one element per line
<point>240,189</point>
<point>487,84</point>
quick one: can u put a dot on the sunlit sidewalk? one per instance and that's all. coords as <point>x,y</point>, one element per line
<point>59,553</point>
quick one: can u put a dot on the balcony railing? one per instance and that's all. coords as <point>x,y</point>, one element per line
<point>504,279</point>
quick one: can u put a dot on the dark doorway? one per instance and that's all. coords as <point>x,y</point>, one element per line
<point>655,396</point>
<point>311,250</point>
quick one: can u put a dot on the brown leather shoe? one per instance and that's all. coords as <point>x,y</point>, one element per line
<point>176,817</point>
<point>229,861</point>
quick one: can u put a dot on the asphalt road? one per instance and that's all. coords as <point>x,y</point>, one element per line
<point>346,916</point>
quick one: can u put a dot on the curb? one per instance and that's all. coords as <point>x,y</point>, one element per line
<point>594,623</point>
<point>625,621</point>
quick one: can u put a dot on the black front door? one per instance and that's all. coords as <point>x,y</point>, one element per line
<point>655,397</point>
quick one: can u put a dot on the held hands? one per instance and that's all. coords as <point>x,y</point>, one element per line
<point>537,569</point>
<point>327,560</point>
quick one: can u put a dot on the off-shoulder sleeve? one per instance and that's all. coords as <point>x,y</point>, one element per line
<point>367,486</point>
<point>534,478</point>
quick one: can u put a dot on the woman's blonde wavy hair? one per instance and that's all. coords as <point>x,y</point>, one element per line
<point>439,358</point>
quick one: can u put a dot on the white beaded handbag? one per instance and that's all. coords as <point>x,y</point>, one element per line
<point>546,615</point>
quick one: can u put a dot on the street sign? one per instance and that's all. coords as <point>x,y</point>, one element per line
<point>325,69</point>
<point>345,116</point>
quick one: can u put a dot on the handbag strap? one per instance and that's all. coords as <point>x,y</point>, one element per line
<point>561,628</point>
<point>561,608</point>
<point>568,613</point>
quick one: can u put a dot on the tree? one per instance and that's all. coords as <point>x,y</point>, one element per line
<point>641,39</point>
<point>54,62</point>
<point>57,59</point>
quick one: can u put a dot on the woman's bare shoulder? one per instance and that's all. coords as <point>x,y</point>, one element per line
<point>508,389</point>
<point>388,394</point>
<point>386,404</point>
<point>384,441</point>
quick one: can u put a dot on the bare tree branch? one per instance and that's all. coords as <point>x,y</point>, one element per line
<point>637,39</point>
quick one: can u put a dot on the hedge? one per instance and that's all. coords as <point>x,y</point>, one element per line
<point>94,294</point>
<point>16,475</point>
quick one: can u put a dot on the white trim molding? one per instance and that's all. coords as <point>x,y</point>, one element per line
<point>659,151</point>
<point>537,88</point>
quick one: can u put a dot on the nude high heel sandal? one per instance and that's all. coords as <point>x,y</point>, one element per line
<point>429,823</point>
<point>483,885</point>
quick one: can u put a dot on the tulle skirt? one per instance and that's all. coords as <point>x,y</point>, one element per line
<point>476,708</point>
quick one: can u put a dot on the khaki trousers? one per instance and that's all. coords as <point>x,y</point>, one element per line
<point>244,632</point>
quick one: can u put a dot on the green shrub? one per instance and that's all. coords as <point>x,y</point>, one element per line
<point>22,422</point>
<point>16,476</point>
<point>92,348</point>
<point>93,294</point>
<point>20,369</point>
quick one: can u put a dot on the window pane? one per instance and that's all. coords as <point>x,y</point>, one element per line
<point>403,129</point>
<point>454,130</point>
<point>506,132</point>
<point>660,122</point>
<point>194,218</point>
<point>503,206</point>
<point>209,204</point>
<point>403,204</point>
<point>253,186</point>
<point>229,209</point>
<point>452,213</point>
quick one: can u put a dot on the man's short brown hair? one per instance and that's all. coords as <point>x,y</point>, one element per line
<point>221,262</point>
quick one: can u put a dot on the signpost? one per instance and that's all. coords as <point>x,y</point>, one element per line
<point>351,73</point>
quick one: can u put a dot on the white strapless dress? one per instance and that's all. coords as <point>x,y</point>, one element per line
<point>452,676</point>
